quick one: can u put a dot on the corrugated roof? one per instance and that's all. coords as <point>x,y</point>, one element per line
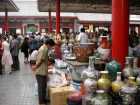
<point>29,8</point>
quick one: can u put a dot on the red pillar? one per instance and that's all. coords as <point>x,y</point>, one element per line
<point>50,22</point>
<point>120,30</point>
<point>6,22</point>
<point>57,17</point>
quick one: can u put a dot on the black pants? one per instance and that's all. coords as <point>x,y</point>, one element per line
<point>42,85</point>
<point>0,64</point>
<point>15,65</point>
<point>31,50</point>
<point>26,54</point>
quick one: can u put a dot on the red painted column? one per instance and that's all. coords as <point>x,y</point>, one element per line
<point>120,30</point>
<point>58,53</point>
<point>50,22</point>
<point>57,17</point>
<point>6,22</point>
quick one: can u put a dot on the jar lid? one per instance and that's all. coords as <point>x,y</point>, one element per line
<point>100,91</point>
<point>92,57</point>
<point>131,78</point>
<point>129,90</point>
<point>129,57</point>
<point>104,72</point>
<point>104,36</point>
<point>119,73</point>
<point>97,58</point>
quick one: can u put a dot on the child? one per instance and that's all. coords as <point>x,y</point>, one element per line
<point>24,49</point>
<point>33,57</point>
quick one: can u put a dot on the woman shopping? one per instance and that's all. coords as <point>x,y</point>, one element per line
<point>6,57</point>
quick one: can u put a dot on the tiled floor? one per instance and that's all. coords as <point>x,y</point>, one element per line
<point>19,87</point>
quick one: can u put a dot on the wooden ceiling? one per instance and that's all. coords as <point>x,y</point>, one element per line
<point>85,6</point>
<point>9,5</point>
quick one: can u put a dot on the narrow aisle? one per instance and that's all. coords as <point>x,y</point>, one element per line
<point>19,87</point>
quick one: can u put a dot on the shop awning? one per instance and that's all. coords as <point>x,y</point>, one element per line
<point>85,6</point>
<point>8,5</point>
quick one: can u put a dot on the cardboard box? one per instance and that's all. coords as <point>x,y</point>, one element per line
<point>58,96</point>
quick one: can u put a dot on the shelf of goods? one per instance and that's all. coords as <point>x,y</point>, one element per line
<point>122,89</point>
<point>103,80</point>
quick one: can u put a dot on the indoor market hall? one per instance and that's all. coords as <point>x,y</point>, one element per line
<point>69,52</point>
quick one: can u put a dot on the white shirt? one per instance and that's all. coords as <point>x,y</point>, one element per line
<point>37,37</point>
<point>6,47</point>
<point>34,55</point>
<point>6,57</point>
<point>83,38</point>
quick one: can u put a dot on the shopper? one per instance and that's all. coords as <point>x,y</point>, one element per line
<point>1,53</point>
<point>25,49</point>
<point>33,44</point>
<point>41,70</point>
<point>33,57</point>
<point>6,57</point>
<point>20,38</point>
<point>133,39</point>
<point>14,48</point>
<point>82,37</point>
<point>37,38</point>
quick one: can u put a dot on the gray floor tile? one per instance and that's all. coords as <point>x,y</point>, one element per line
<point>18,88</point>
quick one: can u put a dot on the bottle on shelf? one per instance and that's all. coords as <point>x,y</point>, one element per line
<point>138,91</point>
<point>128,70</point>
<point>113,67</point>
<point>104,82</point>
<point>102,98</point>
<point>104,48</point>
<point>118,83</point>
<point>116,88</point>
<point>90,71</point>
<point>129,92</point>
<point>136,69</point>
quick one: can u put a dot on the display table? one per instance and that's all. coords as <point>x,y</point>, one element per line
<point>58,96</point>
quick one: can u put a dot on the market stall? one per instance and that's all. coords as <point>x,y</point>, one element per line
<point>93,78</point>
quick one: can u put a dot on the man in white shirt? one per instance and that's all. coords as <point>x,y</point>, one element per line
<point>82,37</point>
